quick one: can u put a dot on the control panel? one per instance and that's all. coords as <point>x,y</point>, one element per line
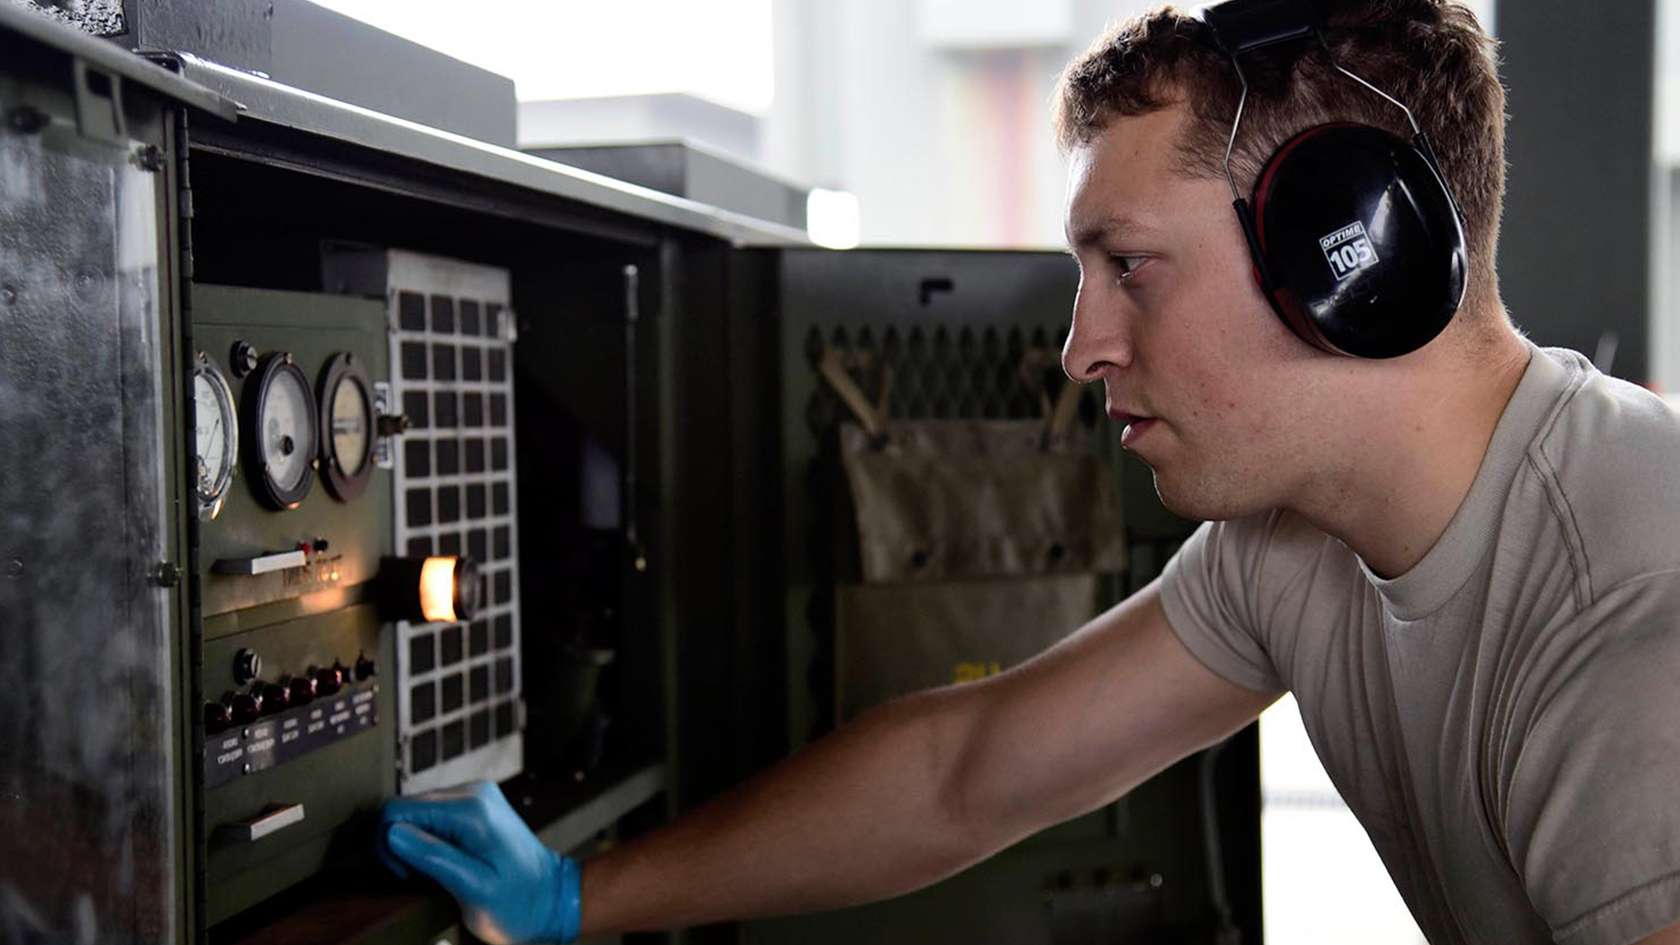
<point>292,444</point>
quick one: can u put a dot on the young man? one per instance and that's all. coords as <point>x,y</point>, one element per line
<point>1463,561</point>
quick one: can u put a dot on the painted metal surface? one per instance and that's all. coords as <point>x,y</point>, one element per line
<point>265,100</point>
<point>30,26</point>
<point>88,822</point>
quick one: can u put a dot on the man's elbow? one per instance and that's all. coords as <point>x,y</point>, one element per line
<point>978,808</point>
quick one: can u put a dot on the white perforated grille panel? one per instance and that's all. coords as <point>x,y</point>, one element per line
<point>459,708</point>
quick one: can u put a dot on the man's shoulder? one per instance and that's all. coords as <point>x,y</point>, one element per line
<point>1609,462</point>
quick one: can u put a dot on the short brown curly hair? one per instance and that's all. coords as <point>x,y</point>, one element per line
<point>1432,55</point>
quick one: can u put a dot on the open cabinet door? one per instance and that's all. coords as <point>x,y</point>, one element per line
<point>94,843</point>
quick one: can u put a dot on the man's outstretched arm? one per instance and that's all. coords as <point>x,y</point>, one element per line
<point>925,786</point>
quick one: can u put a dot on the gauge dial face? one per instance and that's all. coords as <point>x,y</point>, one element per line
<point>215,437</point>
<point>348,436</point>
<point>288,430</point>
<point>350,439</point>
<point>213,451</point>
<point>283,432</point>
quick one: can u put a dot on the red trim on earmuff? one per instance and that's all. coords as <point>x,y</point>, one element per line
<point>1263,188</point>
<point>1290,308</point>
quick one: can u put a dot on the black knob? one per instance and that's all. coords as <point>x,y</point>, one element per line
<point>243,358</point>
<point>364,668</point>
<point>247,666</point>
<point>320,545</point>
<point>328,681</point>
<point>469,589</point>
<point>275,698</point>
<point>393,424</point>
<point>246,708</point>
<point>216,718</point>
<point>301,690</point>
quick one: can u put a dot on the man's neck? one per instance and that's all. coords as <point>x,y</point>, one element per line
<point>1391,502</point>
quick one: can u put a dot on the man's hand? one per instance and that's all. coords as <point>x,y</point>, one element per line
<point>512,890</point>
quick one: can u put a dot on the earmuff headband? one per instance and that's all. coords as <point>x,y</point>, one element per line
<point>1242,26</point>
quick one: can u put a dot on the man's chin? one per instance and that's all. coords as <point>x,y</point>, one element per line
<point>1201,500</point>
<point>1179,505</point>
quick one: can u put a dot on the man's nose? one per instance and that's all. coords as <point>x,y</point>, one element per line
<point>1097,340</point>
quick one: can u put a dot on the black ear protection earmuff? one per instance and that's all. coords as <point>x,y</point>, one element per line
<point>1356,239</point>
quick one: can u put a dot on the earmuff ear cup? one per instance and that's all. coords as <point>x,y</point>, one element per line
<point>1360,241</point>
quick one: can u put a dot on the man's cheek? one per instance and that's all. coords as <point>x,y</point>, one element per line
<point>1223,402</point>
<point>1238,419</point>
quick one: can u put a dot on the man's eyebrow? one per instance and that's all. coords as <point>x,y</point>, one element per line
<point>1090,232</point>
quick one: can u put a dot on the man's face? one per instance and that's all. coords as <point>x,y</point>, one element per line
<point>1169,317</point>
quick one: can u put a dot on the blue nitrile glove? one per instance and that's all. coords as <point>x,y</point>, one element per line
<point>512,890</point>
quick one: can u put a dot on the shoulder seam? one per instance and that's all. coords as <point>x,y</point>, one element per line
<point>1562,510</point>
<point>1564,514</point>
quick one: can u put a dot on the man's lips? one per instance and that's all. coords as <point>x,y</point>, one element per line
<point>1126,418</point>
<point>1136,425</point>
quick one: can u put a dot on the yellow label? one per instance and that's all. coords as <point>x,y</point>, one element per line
<point>974,671</point>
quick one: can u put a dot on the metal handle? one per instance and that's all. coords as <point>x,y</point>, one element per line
<point>632,315</point>
<point>268,822</point>
<point>261,564</point>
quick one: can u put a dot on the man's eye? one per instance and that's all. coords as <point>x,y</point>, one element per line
<point>1127,266</point>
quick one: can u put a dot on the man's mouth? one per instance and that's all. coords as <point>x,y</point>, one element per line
<point>1136,425</point>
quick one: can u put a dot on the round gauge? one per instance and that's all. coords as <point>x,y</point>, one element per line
<point>347,425</point>
<point>281,434</point>
<point>215,436</point>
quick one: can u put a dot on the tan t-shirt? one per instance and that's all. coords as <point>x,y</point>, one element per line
<point>1504,718</point>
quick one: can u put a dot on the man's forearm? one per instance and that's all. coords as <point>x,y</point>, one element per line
<point>860,815</point>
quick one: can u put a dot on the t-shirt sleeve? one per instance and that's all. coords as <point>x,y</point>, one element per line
<point>1208,592</point>
<point>1593,822</point>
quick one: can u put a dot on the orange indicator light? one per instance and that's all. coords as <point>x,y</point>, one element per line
<point>437,590</point>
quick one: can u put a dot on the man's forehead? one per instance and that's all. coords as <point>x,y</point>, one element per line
<point>1149,136</point>
<point>1118,178</point>
<point>1096,226</point>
